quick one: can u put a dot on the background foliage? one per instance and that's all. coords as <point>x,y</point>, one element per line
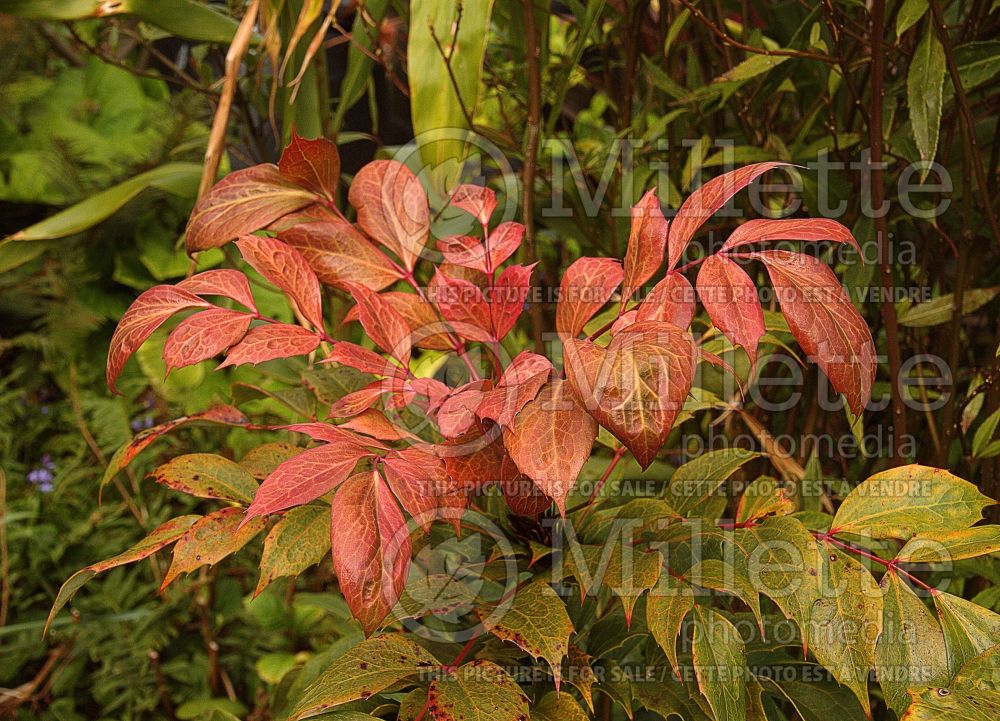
<point>108,121</point>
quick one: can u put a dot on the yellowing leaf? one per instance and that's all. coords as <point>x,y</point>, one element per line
<point>666,607</point>
<point>951,545</point>
<point>300,539</point>
<point>206,475</point>
<point>946,704</point>
<point>969,629</point>
<point>477,691</point>
<point>211,539</point>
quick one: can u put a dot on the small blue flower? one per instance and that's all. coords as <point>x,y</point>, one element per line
<point>43,476</point>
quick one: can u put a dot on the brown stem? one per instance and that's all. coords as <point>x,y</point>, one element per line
<point>531,159</point>
<point>898,425</point>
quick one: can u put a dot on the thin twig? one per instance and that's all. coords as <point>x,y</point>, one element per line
<point>531,158</point>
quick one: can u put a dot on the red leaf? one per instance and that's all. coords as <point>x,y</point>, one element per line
<point>586,286</point>
<point>374,423</point>
<point>242,202</point>
<point>504,242</point>
<point>646,243</point>
<point>147,313</point>
<point>383,324</point>
<point>730,297</point>
<point>427,330</point>
<point>464,250</point>
<point>329,433</point>
<point>339,254</point>
<point>519,385</point>
<point>523,497</point>
<point>225,282</point>
<point>358,401</point>
<point>473,460</point>
<point>637,385</point>
<point>392,208</point>
<point>705,202</point>
<point>810,229</point>
<point>268,342</point>
<point>371,547</point>
<point>367,361</point>
<point>550,440</point>
<point>285,268</point>
<point>825,323</point>
<point>458,412</point>
<point>305,477</point>
<point>477,201</point>
<point>418,479</point>
<point>463,306</point>
<point>204,335</point>
<point>312,163</point>
<point>671,301</point>
<point>507,298</point>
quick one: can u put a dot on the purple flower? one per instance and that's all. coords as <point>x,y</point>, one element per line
<point>42,476</point>
<point>143,423</point>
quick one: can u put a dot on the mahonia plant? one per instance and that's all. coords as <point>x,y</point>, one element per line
<point>397,460</point>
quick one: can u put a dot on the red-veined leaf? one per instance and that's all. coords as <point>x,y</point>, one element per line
<point>457,413</point>
<point>271,341</point>
<point>551,439</point>
<point>329,433</point>
<point>504,241</point>
<point>371,547</point>
<point>383,324</point>
<point>809,229</point>
<point>464,250</point>
<point>474,459</point>
<point>312,163</point>
<point>586,286</point>
<point>357,402</point>
<point>477,201</point>
<point>463,306</point>
<point>507,297</point>
<point>209,540</point>
<point>523,497</point>
<point>149,311</point>
<point>637,385</point>
<point>304,478</point>
<point>427,330</point>
<point>339,254</point>
<point>623,321</point>
<point>392,208</point>
<point>646,243</point>
<point>519,385</point>
<point>367,361</point>
<point>204,335</point>
<point>730,297</point>
<point>419,480</point>
<point>242,202</point>
<point>221,281</point>
<point>285,268</point>
<point>371,422</point>
<point>705,202</point>
<point>824,322</point>
<point>671,301</point>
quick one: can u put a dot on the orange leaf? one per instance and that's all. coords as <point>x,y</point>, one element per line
<point>271,341</point>
<point>285,268</point>
<point>671,301</point>
<point>637,385</point>
<point>209,540</point>
<point>222,281</point>
<point>477,201</point>
<point>646,242</point>
<point>586,286</point>
<point>204,335</point>
<point>811,229</point>
<point>463,306</point>
<point>551,439</point>
<point>730,297</point>
<point>311,163</point>
<point>392,208</point>
<point>339,254</point>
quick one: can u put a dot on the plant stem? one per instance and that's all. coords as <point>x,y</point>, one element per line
<point>531,158</point>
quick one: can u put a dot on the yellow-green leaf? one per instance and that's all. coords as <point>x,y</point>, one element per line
<point>477,691</point>
<point>951,545</point>
<point>969,629</point>
<point>300,539</point>
<point>206,475</point>
<point>720,664</point>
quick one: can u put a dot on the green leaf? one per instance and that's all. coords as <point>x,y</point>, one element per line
<point>698,481</point>
<point>721,576</point>
<point>938,310</point>
<point>556,706</point>
<point>977,62</point>
<point>368,668</point>
<point>300,539</point>
<point>477,691</point>
<point>763,497</point>
<point>536,621</point>
<point>751,67</point>
<point>161,537</point>
<point>951,545</point>
<point>984,434</point>
<point>623,569</point>
<point>981,673</point>
<point>945,704</point>
<point>924,89</point>
<point>205,475</point>
<point>816,700</point>
<point>720,664</point>
<point>359,60</point>
<point>910,13</point>
<point>261,461</point>
<point>670,699</point>
<point>969,629</point>
<point>666,607</point>
<point>845,622</point>
<point>437,110</point>
<point>177,178</point>
<point>911,649</point>
<point>900,502</point>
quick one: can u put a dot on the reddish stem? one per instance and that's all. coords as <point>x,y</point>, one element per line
<point>889,565</point>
